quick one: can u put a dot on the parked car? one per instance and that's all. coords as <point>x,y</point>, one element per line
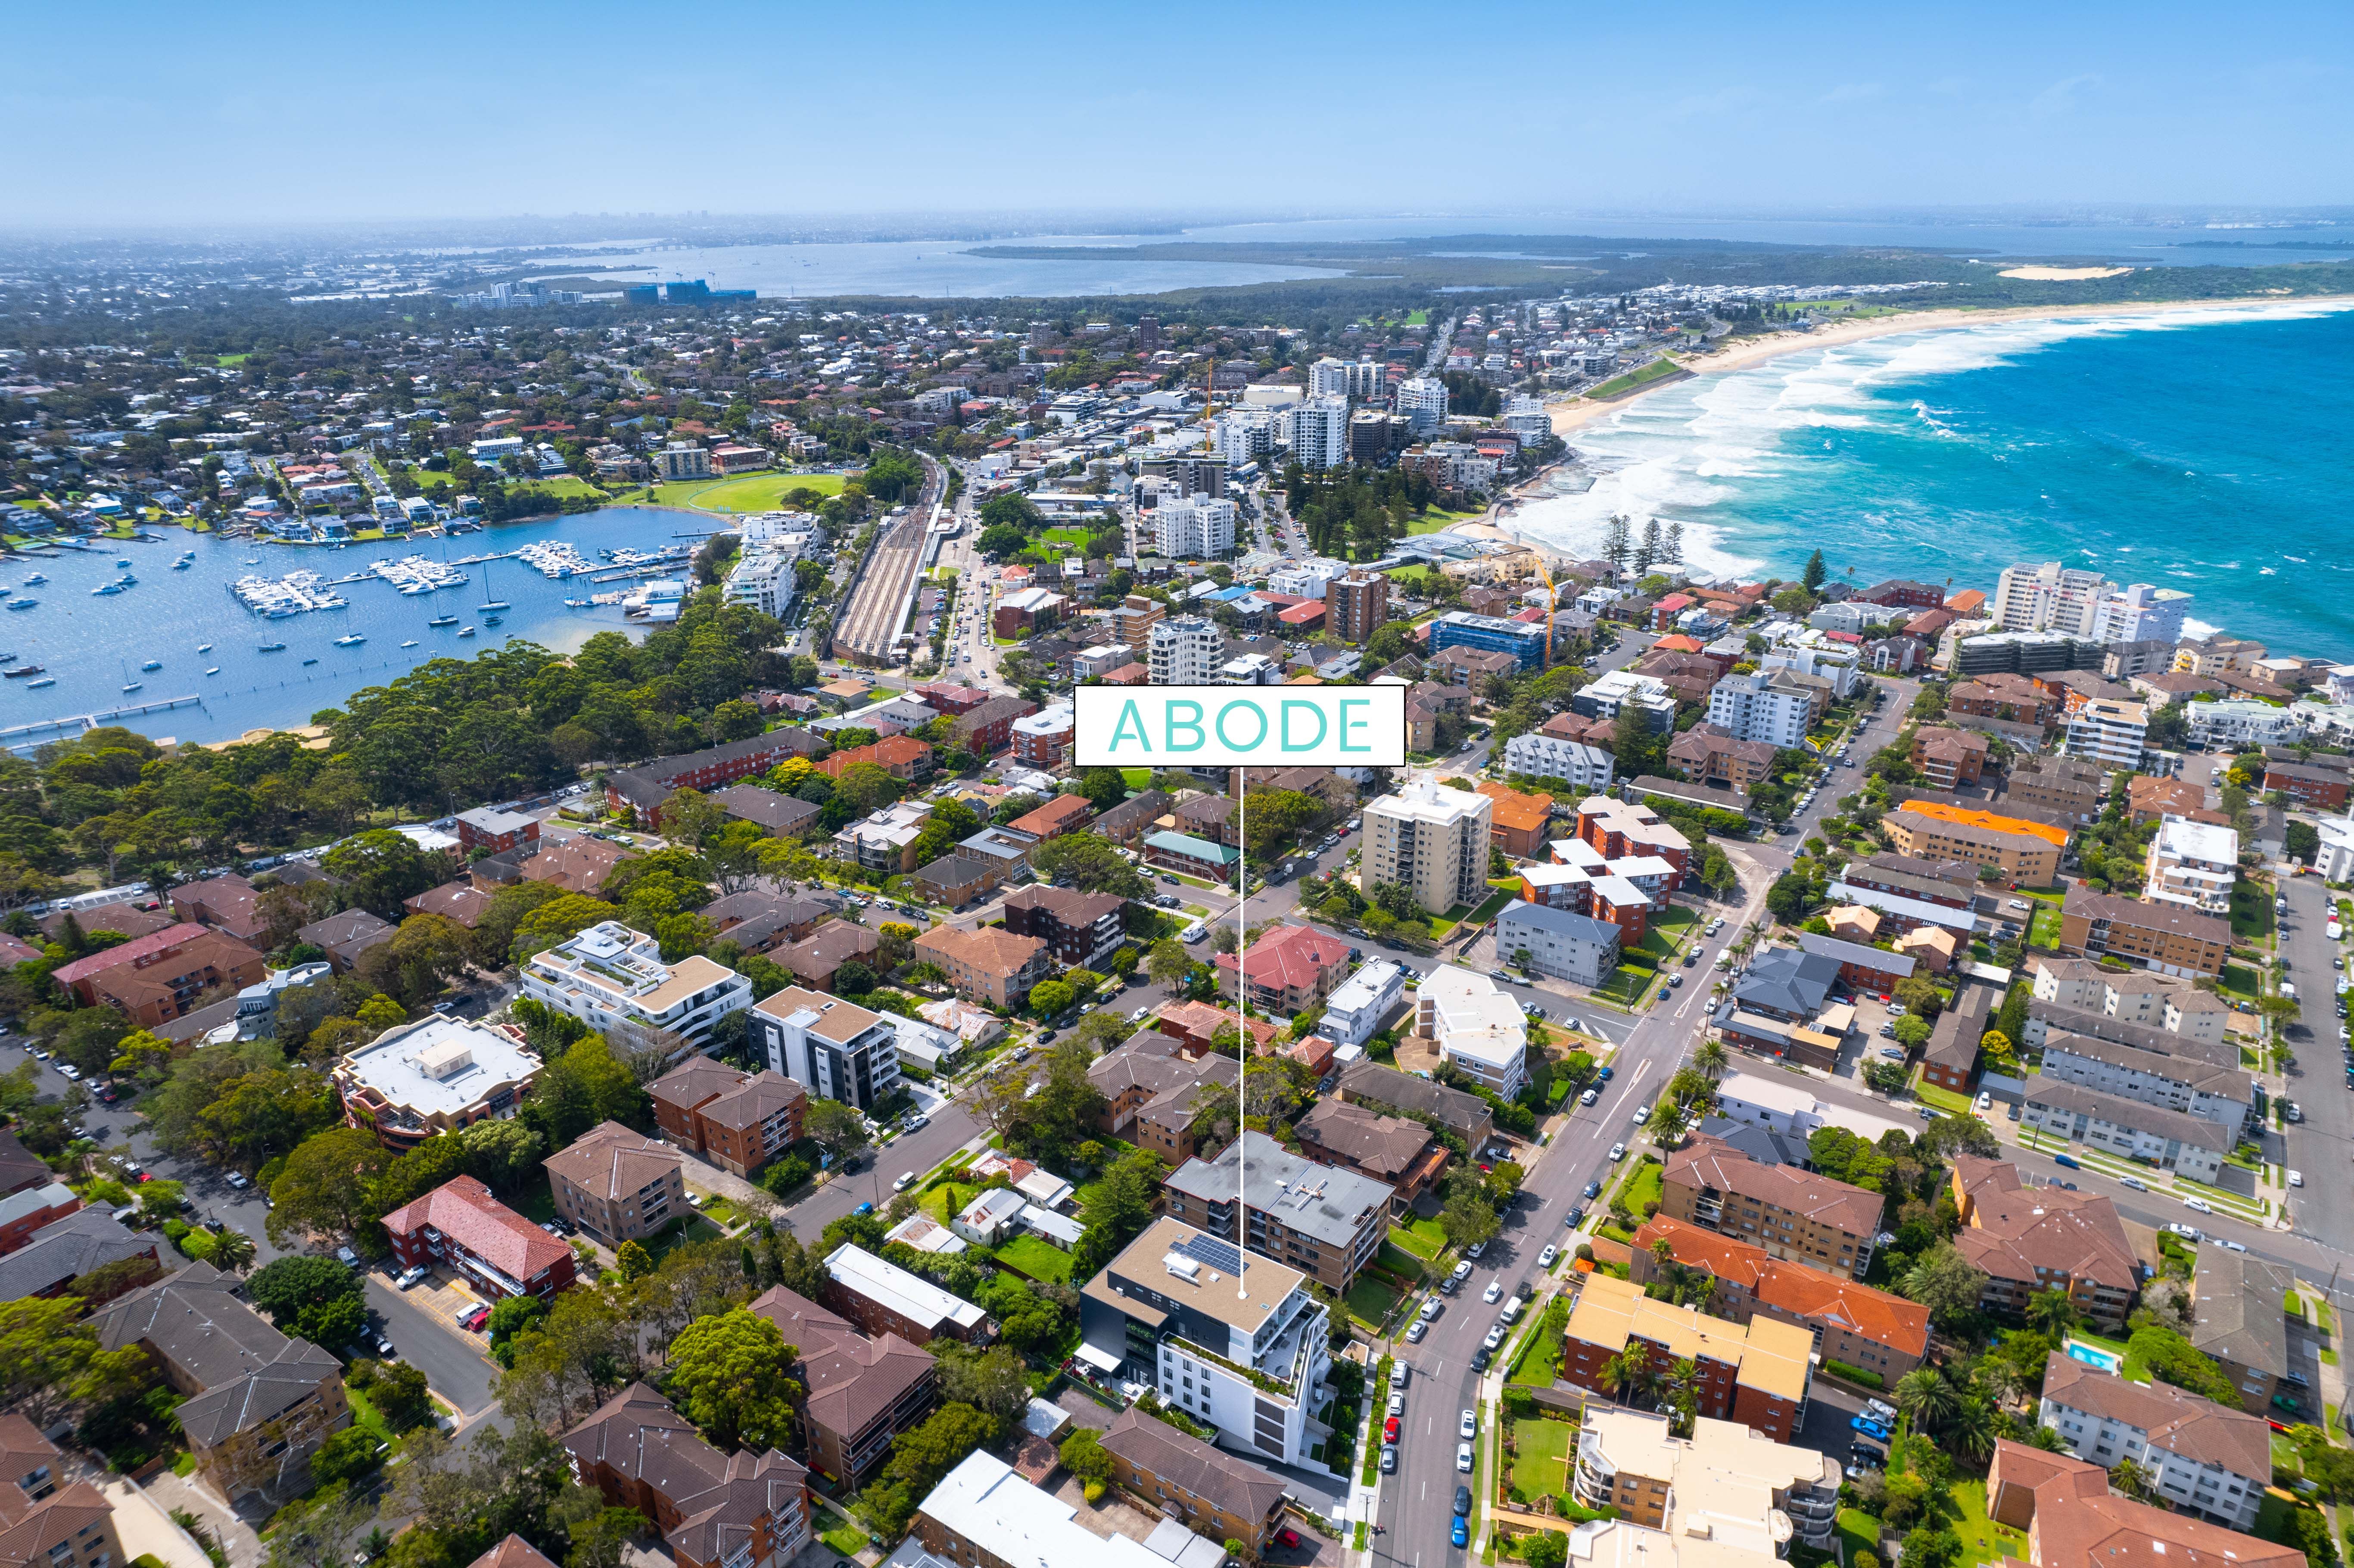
<point>1457,1532</point>
<point>2199,1205</point>
<point>236,1180</point>
<point>347,1257</point>
<point>411,1276</point>
<point>1430,1308</point>
<point>1389,1461</point>
<point>1494,1291</point>
<point>1545,1258</point>
<point>472,1321</point>
<point>1390,1429</point>
<point>1481,1358</point>
<point>1415,1330</point>
<point>1617,1152</point>
<point>1594,1189</point>
<point>1869,1427</point>
<point>1463,1458</point>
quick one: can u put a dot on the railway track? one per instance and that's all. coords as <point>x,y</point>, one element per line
<point>870,624</point>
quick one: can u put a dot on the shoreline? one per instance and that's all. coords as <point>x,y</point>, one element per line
<point>1568,417</point>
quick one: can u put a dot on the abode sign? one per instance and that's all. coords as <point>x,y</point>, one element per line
<point>1231,726</point>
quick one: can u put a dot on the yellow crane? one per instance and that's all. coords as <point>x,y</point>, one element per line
<point>1545,575</point>
<point>1209,402</point>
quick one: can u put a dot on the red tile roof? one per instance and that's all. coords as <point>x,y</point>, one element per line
<point>463,1210</point>
<point>1294,954</point>
<point>138,947</point>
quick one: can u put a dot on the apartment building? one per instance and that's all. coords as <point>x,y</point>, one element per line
<point>1316,428</point>
<point>1325,1220</point>
<point>2072,787</point>
<point>439,1074</point>
<point>1523,641</point>
<point>2172,1140</point>
<point>2168,938</point>
<point>1733,1491</point>
<point>1755,1373</point>
<point>1043,739</point>
<point>1558,942</point>
<point>616,1184</point>
<point>1850,1322</point>
<point>1791,1214</point>
<point>2185,1083</point>
<point>834,1049</point>
<point>1356,604</point>
<point>1381,1088</point>
<point>1430,840</point>
<point>983,1515</point>
<point>2201,1457</point>
<point>993,966</point>
<point>1761,705</point>
<point>1185,650</point>
<point>155,979</point>
<point>1357,1008</point>
<point>1080,930</point>
<point>461,1227</point>
<point>2193,864</point>
<point>1618,690</point>
<point>1237,1342</point>
<point>1580,766</point>
<point>645,787</point>
<point>713,1509</point>
<point>884,1299</point>
<point>2166,1004</point>
<point>1286,971</point>
<point>1135,619</point>
<point>2112,733</point>
<point>1217,1495</point>
<point>2239,1322</point>
<point>1394,1151</point>
<point>2027,854</point>
<point>258,1404</point>
<point>1152,1088</point>
<point>2045,1239</point>
<point>1948,759</point>
<point>42,1523</point>
<point>1627,828</point>
<point>2047,596</point>
<point>735,1119</point>
<point>1201,527</point>
<point>989,728</point>
<point>609,977</point>
<point>858,1393</point>
<point>1478,1029</point>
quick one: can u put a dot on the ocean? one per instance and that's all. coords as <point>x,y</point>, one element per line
<point>2201,450</point>
<point>94,646</point>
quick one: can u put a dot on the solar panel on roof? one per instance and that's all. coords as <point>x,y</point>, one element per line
<point>1219,1255</point>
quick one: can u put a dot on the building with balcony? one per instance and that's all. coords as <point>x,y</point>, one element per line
<point>48,1520</point>
<point>994,966</point>
<point>616,1184</point>
<point>1236,1342</point>
<point>2171,938</point>
<point>461,1227</point>
<point>2201,1457</point>
<point>1081,929</point>
<point>983,1515</point>
<point>2026,1240</point>
<point>1478,1029</point>
<point>2111,733</point>
<point>1430,840</point>
<point>436,1076</point>
<point>834,1049</point>
<point>2073,1520</point>
<point>2193,864</point>
<point>155,979</point>
<point>1744,1496</point>
<point>1523,641</point>
<point>1357,1008</point>
<point>858,1393</point>
<point>1322,1220</point>
<point>609,977</point>
<point>1790,1212</point>
<point>1218,1496</point>
<point>1287,970</point>
<point>713,1509</point>
<point>1184,651</point>
<point>884,1299</point>
<point>2187,1084</point>
<point>1850,1322</point>
<point>735,1119</point>
<point>2239,1322</point>
<point>1755,1373</point>
<point>1395,1150</point>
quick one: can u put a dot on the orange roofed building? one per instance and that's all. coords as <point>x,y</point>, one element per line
<point>1194,1025</point>
<point>897,755</point>
<point>2074,1520</point>
<point>1852,1322</point>
<point>1517,825</point>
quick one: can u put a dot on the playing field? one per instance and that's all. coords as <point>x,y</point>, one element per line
<point>746,492</point>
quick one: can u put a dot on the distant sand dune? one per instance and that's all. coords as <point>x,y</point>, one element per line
<point>2064,274</point>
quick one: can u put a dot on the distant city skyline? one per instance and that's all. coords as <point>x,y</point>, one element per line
<point>247,113</point>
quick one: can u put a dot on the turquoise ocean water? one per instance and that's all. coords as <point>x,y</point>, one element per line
<point>2204,451</point>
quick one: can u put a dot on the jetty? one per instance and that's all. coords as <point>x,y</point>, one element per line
<point>83,722</point>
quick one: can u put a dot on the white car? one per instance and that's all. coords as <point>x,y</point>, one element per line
<point>1985,1100</point>
<point>1469,1426</point>
<point>1642,1115</point>
<point>1545,1258</point>
<point>1397,1404</point>
<point>70,1071</point>
<point>1586,1098</point>
<point>1495,1337</point>
<point>1495,1290</point>
<point>2296,1178</point>
<point>236,1179</point>
<point>1415,1330</point>
<point>1463,1457</point>
<point>1617,1152</point>
<point>2199,1205</point>
<point>906,1179</point>
<point>1462,1271</point>
<point>1430,1309</point>
<point>411,1276</point>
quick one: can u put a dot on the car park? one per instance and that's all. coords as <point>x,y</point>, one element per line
<point>473,1322</point>
<point>1880,1410</point>
<point>1869,1427</point>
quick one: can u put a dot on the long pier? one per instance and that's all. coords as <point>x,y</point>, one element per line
<point>90,721</point>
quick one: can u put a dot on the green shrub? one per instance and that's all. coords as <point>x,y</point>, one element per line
<point>1847,1374</point>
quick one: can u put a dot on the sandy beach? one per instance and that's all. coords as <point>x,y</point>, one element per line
<point>1747,352</point>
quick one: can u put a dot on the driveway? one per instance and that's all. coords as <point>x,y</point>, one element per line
<point>453,1366</point>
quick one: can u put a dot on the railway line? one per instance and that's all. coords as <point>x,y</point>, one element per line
<point>870,625</point>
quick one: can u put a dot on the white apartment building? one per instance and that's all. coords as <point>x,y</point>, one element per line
<point>1526,417</point>
<point>2240,723</point>
<point>1549,756</point>
<point>1318,432</point>
<point>1422,403</point>
<point>2047,598</point>
<point>1196,527</point>
<point>1755,707</point>
<point>1250,670</point>
<point>1357,378</point>
<point>1308,578</point>
<point>833,1049</point>
<point>2192,863</point>
<point>2109,732</point>
<point>2334,861</point>
<point>803,529</point>
<point>682,459</point>
<point>762,578</point>
<point>1244,433</point>
<point>2188,1083</point>
<point>982,1504</point>
<point>1806,655</point>
<point>1478,1028</point>
<point>2139,613</point>
<point>1614,690</point>
<point>1355,1010</point>
<point>1430,840</point>
<point>610,976</point>
<point>2199,1455</point>
<point>1728,1496</point>
<point>1185,651</point>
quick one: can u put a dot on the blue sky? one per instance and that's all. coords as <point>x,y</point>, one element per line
<point>242,112</point>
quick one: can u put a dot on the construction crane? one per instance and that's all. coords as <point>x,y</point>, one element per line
<point>1209,401</point>
<point>1545,575</point>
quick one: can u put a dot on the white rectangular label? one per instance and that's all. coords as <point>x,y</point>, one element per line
<point>1266,726</point>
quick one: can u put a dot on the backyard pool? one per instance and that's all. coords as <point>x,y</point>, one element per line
<point>2093,1356</point>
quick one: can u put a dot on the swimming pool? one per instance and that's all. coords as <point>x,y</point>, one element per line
<point>2093,1356</point>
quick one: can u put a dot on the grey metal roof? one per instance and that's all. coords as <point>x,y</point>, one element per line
<point>1325,1202</point>
<point>2178,1126</point>
<point>1789,980</point>
<point>1558,922</point>
<point>2237,1312</point>
<point>2231,1083</point>
<point>2142,1036</point>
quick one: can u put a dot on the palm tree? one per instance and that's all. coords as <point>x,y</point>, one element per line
<point>1712,1058</point>
<point>1615,1377</point>
<point>2053,1312</point>
<point>233,1251</point>
<point>1976,1426</point>
<point>1663,1251</point>
<point>1925,1396</point>
<point>2130,1478</point>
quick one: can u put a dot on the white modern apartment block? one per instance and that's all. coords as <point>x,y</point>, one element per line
<point>805,531</point>
<point>1526,417</point>
<point>982,1506</point>
<point>1422,402</point>
<point>1354,1013</point>
<point>1478,1028</point>
<point>2109,732</point>
<point>610,976</point>
<point>1318,432</point>
<point>1244,433</point>
<point>1549,756</point>
<point>1185,651</point>
<point>2240,723</point>
<point>2192,863</point>
<point>1808,654</point>
<point>762,578</point>
<point>1357,378</point>
<point>2139,613</point>
<point>1728,1496</point>
<point>1195,527</point>
<point>1430,840</point>
<point>834,1050</point>
<point>2200,1456</point>
<point>1754,707</point>
<point>2047,597</point>
<point>1308,578</point>
<point>2334,861</point>
<point>1250,670</point>
<point>1616,688</point>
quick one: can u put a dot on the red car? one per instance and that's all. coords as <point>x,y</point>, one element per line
<point>1288,1539</point>
<point>472,1321</point>
<point>1390,1430</point>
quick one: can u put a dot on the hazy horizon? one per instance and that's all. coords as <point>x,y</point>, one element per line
<point>255,115</point>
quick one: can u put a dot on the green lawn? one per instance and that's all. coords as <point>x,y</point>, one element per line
<point>1858,1532</point>
<point>1946,1100</point>
<point>1368,1300</point>
<point>565,484</point>
<point>845,1539</point>
<point>2240,981</point>
<point>1490,904</point>
<point>1620,384</point>
<point>1435,519</point>
<point>1983,1541</point>
<point>1624,987</point>
<point>1076,538</point>
<point>746,492</point>
<point>365,1414</point>
<point>2043,926</point>
<point>2251,911</point>
<point>1644,1185</point>
<point>1038,1259</point>
<point>1422,1237</point>
<point>1538,1355</point>
<point>1541,1468</point>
